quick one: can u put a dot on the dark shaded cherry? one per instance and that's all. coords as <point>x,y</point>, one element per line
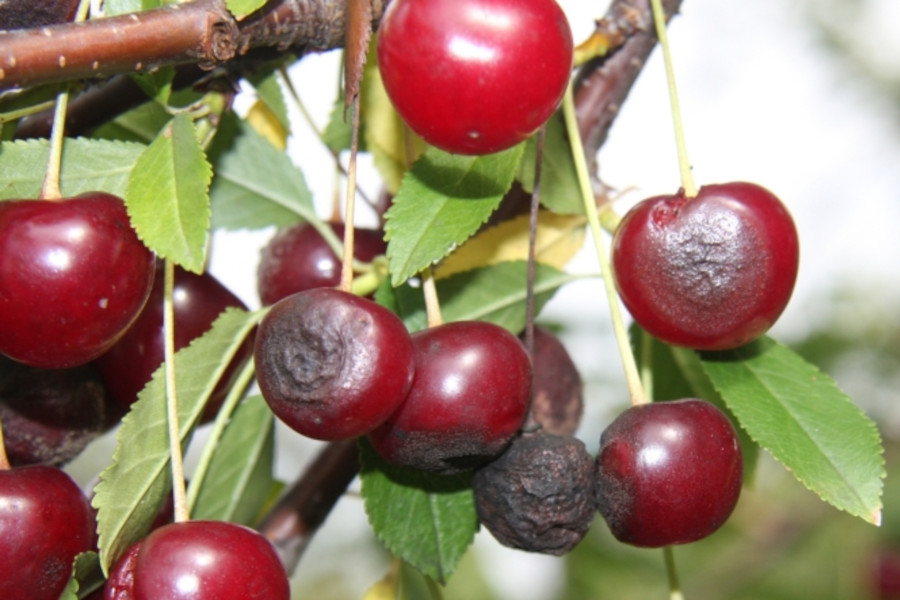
<point>884,578</point>
<point>45,521</point>
<point>49,416</point>
<point>197,301</point>
<point>73,277</point>
<point>474,76</point>
<point>557,401</point>
<point>668,472</point>
<point>469,397</point>
<point>539,495</point>
<point>298,258</point>
<point>199,559</point>
<point>711,272</point>
<point>332,365</point>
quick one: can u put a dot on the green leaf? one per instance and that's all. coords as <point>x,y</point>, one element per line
<point>425,519</point>
<point>242,8</point>
<point>677,373</point>
<point>87,165</point>
<point>120,7</point>
<point>156,84</point>
<point>443,200</point>
<point>338,132</point>
<point>239,478</point>
<point>560,192</point>
<point>141,124</point>
<point>168,196</point>
<point>256,185</point>
<point>495,293</point>
<point>86,577</point>
<point>132,487</point>
<point>268,91</point>
<point>799,415</point>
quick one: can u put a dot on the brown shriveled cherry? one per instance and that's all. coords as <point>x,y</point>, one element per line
<point>711,272</point>
<point>668,472</point>
<point>332,365</point>
<point>469,398</point>
<point>298,258</point>
<point>539,495</point>
<point>49,416</point>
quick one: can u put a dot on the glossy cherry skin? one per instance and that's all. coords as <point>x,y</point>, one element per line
<point>712,272</point>
<point>474,76</point>
<point>469,397</point>
<point>195,560</point>
<point>332,365</point>
<point>45,521</point>
<point>73,277</point>
<point>298,258</point>
<point>668,472</point>
<point>197,299</point>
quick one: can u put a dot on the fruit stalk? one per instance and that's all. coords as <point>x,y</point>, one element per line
<point>179,493</point>
<point>632,374</point>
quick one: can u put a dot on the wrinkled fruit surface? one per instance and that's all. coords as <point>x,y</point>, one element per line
<point>74,276</point>
<point>711,272</point>
<point>200,559</point>
<point>539,495</point>
<point>45,521</point>
<point>49,416</point>
<point>298,258</point>
<point>474,76</point>
<point>668,472</point>
<point>332,365</point>
<point>196,301</point>
<point>468,399</point>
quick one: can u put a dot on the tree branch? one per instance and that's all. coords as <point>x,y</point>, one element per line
<point>200,32</point>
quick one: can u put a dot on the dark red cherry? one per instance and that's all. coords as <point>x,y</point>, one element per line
<point>298,258</point>
<point>49,416</point>
<point>474,76</point>
<point>74,276</point>
<point>199,559</point>
<point>197,301</point>
<point>332,365</point>
<point>469,397</point>
<point>668,472</point>
<point>711,272</point>
<point>45,521</point>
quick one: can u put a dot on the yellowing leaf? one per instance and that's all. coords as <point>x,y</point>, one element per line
<point>559,237</point>
<point>267,124</point>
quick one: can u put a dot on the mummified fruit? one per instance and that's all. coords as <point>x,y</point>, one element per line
<point>539,494</point>
<point>332,365</point>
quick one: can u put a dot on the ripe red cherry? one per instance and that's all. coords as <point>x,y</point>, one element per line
<point>298,258</point>
<point>474,76</point>
<point>469,397</point>
<point>711,272</point>
<point>45,521</point>
<point>74,276</point>
<point>668,472</point>
<point>200,559</point>
<point>197,301</point>
<point>332,365</point>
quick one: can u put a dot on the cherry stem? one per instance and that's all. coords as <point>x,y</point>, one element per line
<point>432,303</point>
<point>179,494</point>
<point>632,374</point>
<point>235,394</point>
<point>672,572</point>
<point>4,460</point>
<point>687,178</point>
<point>350,204</point>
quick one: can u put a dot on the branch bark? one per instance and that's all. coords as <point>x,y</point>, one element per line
<point>200,32</point>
